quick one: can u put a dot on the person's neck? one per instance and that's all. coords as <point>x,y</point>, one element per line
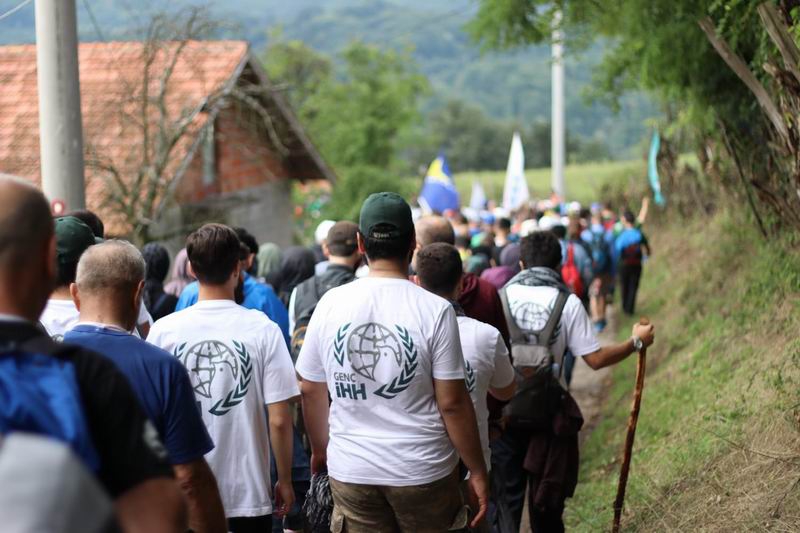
<point>61,293</point>
<point>216,292</point>
<point>341,261</point>
<point>388,268</point>
<point>101,310</point>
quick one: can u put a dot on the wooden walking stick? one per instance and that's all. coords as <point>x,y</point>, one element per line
<point>632,421</point>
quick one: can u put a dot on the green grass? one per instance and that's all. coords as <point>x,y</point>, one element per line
<point>722,386</point>
<point>584,182</point>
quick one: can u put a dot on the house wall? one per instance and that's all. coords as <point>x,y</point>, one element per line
<point>252,186</point>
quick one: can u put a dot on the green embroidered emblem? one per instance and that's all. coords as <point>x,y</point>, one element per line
<point>407,371</point>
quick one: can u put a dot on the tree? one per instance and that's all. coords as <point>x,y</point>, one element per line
<point>167,128</point>
<point>725,69</point>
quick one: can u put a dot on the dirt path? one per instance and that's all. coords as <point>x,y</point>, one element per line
<point>589,388</point>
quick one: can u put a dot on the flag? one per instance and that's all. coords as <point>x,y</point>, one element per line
<point>515,192</point>
<point>478,199</point>
<point>652,169</point>
<point>439,191</point>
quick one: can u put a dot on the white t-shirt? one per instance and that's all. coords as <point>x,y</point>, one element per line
<point>531,307</point>
<point>237,362</point>
<point>60,316</point>
<point>487,365</point>
<point>379,343</point>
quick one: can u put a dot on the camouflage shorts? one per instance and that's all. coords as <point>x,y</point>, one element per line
<point>431,508</point>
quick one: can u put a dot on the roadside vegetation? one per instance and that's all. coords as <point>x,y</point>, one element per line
<point>718,441</point>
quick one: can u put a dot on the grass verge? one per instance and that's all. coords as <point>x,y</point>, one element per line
<point>718,441</point>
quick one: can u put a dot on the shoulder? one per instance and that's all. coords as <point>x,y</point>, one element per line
<point>483,333</point>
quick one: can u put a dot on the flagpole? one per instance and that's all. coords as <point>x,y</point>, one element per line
<point>557,121</point>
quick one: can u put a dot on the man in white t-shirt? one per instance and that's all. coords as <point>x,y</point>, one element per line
<point>532,295</point>
<point>237,362</point>
<point>388,354</point>
<point>488,366</point>
<point>73,237</point>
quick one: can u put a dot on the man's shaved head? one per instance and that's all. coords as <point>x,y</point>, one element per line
<point>27,249</point>
<point>26,225</point>
<point>110,266</point>
<point>432,229</point>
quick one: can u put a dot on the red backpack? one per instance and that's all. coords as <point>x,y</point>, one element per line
<point>571,274</point>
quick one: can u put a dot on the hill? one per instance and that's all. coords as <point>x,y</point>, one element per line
<point>510,85</point>
<point>717,443</point>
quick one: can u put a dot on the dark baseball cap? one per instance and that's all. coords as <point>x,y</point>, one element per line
<point>73,237</point>
<point>386,216</point>
<point>341,240</point>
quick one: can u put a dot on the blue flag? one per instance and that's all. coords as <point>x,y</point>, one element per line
<point>652,169</point>
<point>439,191</point>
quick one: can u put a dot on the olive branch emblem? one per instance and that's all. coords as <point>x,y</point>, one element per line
<point>408,371</point>
<point>338,344</point>
<point>470,377</point>
<point>178,352</point>
<point>235,397</point>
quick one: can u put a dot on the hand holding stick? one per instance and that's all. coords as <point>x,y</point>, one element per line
<point>632,421</point>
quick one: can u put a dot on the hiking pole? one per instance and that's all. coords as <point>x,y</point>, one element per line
<point>632,421</point>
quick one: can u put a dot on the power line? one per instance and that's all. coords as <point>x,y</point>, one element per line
<point>15,9</point>
<point>94,20</point>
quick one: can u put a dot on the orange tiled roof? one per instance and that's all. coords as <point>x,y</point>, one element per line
<point>111,77</point>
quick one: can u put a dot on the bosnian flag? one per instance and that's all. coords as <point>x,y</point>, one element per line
<point>439,191</point>
<point>515,192</point>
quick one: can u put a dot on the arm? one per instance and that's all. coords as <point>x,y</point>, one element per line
<point>611,355</point>
<point>281,437</point>
<point>154,506</point>
<point>458,414</point>
<point>504,394</point>
<point>315,416</point>
<point>199,487</point>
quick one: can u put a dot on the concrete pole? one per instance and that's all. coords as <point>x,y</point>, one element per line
<point>557,147</point>
<point>60,130</point>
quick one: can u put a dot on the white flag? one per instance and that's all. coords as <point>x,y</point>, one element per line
<point>515,192</point>
<point>478,199</point>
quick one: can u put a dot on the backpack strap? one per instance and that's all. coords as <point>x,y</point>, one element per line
<point>516,334</point>
<point>550,327</point>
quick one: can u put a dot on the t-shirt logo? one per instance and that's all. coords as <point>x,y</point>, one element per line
<point>532,317</point>
<point>367,346</point>
<point>208,361</point>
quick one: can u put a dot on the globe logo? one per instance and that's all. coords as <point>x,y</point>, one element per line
<point>532,318</point>
<point>368,344</point>
<point>205,361</point>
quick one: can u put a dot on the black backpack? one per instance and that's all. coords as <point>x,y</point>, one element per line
<point>539,390</point>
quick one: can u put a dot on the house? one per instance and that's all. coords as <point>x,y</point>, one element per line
<point>175,134</point>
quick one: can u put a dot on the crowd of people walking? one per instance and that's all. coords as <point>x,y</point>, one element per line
<point>406,373</point>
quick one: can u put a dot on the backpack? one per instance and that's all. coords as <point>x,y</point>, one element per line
<point>571,274</point>
<point>601,256</point>
<point>539,372</point>
<point>39,394</point>
<point>632,255</point>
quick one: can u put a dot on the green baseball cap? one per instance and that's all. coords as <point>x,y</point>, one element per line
<point>385,216</point>
<point>73,237</point>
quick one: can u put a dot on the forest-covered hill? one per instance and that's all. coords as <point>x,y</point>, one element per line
<point>509,85</point>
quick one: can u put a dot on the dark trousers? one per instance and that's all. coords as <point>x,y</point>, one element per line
<point>629,276</point>
<point>250,524</point>
<point>508,455</point>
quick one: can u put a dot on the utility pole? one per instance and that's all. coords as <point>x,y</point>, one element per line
<point>60,130</point>
<point>557,139</point>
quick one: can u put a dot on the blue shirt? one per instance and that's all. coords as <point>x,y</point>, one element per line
<point>627,238</point>
<point>161,384</point>
<point>256,296</point>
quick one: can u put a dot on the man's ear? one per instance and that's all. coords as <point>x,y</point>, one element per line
<point>73,291</point>
<point>360,240</point>
<point>51,261</point>
<point>250,259</point>
<point>137,301</point>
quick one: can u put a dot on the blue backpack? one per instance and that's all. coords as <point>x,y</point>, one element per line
<point>39,394</point>
<point>601,253</point>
